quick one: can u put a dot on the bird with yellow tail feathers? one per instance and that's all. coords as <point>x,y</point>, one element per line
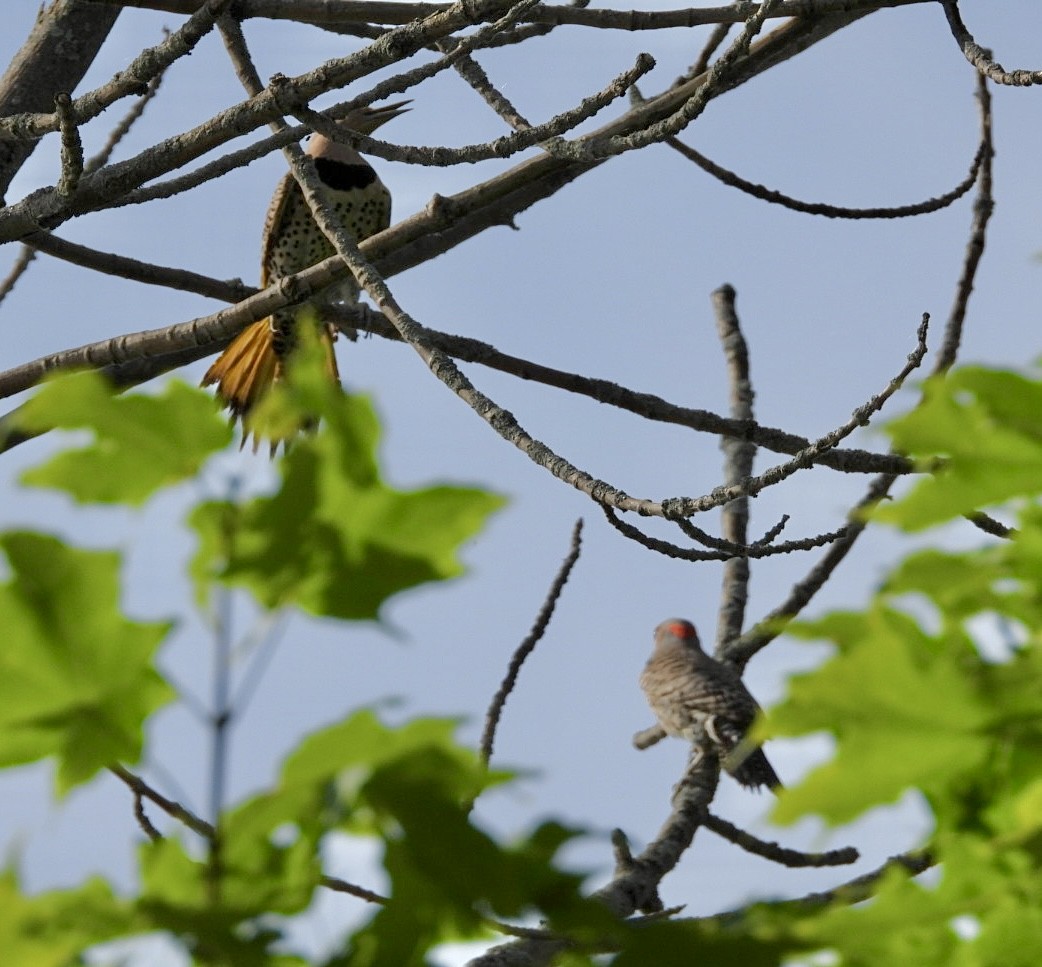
<point>292,242</point>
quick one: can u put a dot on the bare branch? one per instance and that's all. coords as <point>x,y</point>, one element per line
<point>991,526</point>
<point>147,65</point>
<point>720,77</point>
<point>982,211</point>
<point>343,886</point>
<point>495,709</point>
<point>123,126</point>
<point>738,466</point>
<point>861,887</point>
<point>28,251</point>
<point>981,58</point>
<point>63,43</point>
<point>393,12</point>
<point>503,147</point>
<point>475,210</point>
<point>778,854</point>
<point>135,357</point>
<point>730,552</point>
<point>713,42</point>
<point>18,268</point>
<point>769,478</point>
<point>832,211</point>
<point>110,263</point>
<point>771,625</point>
<point>635,883</point>
<point>72,146</point>
<point>141,788</point>
<point>142,818</point>
<point>47,209</point>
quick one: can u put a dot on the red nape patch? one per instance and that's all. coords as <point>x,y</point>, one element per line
<point>682,629</point>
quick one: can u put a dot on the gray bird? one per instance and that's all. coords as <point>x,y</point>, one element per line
<point>688,690</point>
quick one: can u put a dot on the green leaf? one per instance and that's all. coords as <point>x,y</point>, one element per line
<point>221,913</point>
<point>347,754</point>
<point>76,676</point>
<point>905,708</point>
<point>141,443</point>
<point>447,874</point>
<point>255,876</point>
<point>335,540</point>
<point>676,944</point>
<point>52,929</point>
<point>904,924</point>
<point>984,423</point>
<point>958,584</point>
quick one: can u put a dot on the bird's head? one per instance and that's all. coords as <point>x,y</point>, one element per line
<point>365,120</point>
<point>676,631</point>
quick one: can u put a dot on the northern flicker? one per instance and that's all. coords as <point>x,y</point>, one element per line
<point>292,242</point>
<point>687,689</point>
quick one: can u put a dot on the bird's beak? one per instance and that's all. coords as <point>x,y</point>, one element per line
<point>375,116</point>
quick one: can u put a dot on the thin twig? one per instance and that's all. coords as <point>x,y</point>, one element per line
<point>820,208</point>
<point>141,788</point>
<point>132,80</point>
<point>545,135</point>
<point>773,623</point>
<point>779,854</point>
<point>28,250</point>
<point>71,146</point>
<point>646,738</point>
<point>495,709</point>
<point>701,65</point>
<point>21,263</point>
<point>148,273</point>
<point>343,886</point>
<point>754,551</point>
<point>983,207</point>
<point>990,526</point>
<point>720,77</point>
<point>142,818</point>
<point>774,475</point>
<point>859,888</point>
<point>123,126</point>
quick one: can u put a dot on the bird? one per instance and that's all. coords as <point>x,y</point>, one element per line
<point>291,242</point>
<point>691,692</point>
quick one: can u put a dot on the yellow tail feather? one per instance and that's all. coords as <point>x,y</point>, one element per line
<point>249,367</point>
<point>246,369</point>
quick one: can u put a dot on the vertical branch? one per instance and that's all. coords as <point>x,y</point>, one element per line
<point>983,207</point>
<point>221,709</point>
<point>29,248</point>
<point>738,465</point>
<point>220,721</point>
<point>63,44</point>
<point>495,710</point>
<point>72,146</point>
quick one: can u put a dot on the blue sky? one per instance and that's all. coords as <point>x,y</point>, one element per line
<point>611,277</point>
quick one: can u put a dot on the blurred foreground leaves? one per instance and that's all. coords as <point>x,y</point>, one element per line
<point>934,689</point>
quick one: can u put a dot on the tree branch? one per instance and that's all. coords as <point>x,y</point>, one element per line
<point>63,43</point>
<point>495,709</point>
